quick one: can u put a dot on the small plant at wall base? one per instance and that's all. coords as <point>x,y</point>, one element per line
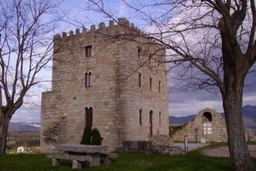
<point>86,139</point>
<point>96,138</point>
<point>91,137</point>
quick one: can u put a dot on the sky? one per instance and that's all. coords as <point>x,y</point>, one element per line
<point>180,104</point>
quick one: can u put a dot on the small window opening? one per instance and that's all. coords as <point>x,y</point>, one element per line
<point>88,116</point>
<point>88,79</point>
<point>88,51</point>
<point>159,86</point>
<point>207,117</point>
<point>140,117</point>
<point>150,59</point>
<point>160,118</point>
<point>140,75</point>
<point>139,52</point>
<point>150,84</point>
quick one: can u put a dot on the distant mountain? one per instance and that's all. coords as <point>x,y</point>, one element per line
<point>249,111</point>
<point>249,118</point>
<point>24,126</point>
<point>180,120</point>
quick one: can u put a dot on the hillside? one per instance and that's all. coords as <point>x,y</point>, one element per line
<point>249,118</point>
<point>24,126</point>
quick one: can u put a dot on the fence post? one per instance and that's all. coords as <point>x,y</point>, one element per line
<point>185,144</point>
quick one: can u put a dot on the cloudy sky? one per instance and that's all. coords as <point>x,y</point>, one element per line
<point>180,104</point>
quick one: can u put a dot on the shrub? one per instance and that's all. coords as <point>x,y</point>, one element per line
<point>91,137</point>
<point>86,139</point>
<point>96,138</point>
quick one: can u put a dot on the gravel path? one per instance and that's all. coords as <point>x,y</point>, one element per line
<point>224,151</point>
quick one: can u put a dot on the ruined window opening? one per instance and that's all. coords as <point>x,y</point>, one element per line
<point>88,116</point>
<point>207,117</point>
<point>150,59</point>
<point>139,52</point>
<point>88,51</point>
<point>140,117</point>
<point>88,79</point>
<point>207,123</point>
<point>140,75</point>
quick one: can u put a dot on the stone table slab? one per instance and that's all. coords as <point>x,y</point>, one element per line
<point>81,148</point>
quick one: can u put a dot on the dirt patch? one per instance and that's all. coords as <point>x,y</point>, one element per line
<point>224,151</point>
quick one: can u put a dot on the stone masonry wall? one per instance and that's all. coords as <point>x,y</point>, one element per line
<point>195,129</point>
<point>121,108</point>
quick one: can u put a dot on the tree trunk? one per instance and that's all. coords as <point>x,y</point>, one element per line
<point>232,103</point>
<point>4,125</point>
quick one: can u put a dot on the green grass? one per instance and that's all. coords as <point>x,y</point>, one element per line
<point>193,161</point>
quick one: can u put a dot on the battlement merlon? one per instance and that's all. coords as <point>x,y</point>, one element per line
<point>120,21</point>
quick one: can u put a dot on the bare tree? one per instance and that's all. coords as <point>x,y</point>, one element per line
<point>213,45</point>
<point>26,28</point>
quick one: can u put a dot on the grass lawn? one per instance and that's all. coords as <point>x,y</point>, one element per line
<point>193,161</point>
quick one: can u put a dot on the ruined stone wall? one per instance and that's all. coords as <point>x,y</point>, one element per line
<point>194,129</point>
<point>114,96</point>
<point>53,123</point>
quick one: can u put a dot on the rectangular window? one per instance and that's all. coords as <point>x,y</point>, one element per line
<point>207,128</point>
<point>139,52</point>
<point>159,86</point>
<point>140,117</point>
<point>140,75</point>
<point>88,79</point>
<point>88,116</point>
<point>88,51</point>
<point>150,59</point>
<point>160,119</point>
<point>150,83</point>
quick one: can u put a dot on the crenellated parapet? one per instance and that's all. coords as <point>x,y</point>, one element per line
<point>123,22</point>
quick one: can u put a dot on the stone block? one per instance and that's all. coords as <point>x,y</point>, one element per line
<point>55,162</point>
<point>203,140</point>
<point>76,164</point>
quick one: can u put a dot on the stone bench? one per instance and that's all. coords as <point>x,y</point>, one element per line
<point>76,159</point>
<point>78,153</point>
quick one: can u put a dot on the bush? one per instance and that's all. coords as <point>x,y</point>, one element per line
<point>91,137</point>
<point>86,139</point>
<point>96,138</point>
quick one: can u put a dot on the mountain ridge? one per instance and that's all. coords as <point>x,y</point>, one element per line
<point>249,118</point>
<point>24,126</point>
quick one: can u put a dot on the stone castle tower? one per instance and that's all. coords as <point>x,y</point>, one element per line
<point>111,78</point>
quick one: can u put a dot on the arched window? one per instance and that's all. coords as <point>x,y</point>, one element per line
<point>88,116</point>
<point>207,117</point>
